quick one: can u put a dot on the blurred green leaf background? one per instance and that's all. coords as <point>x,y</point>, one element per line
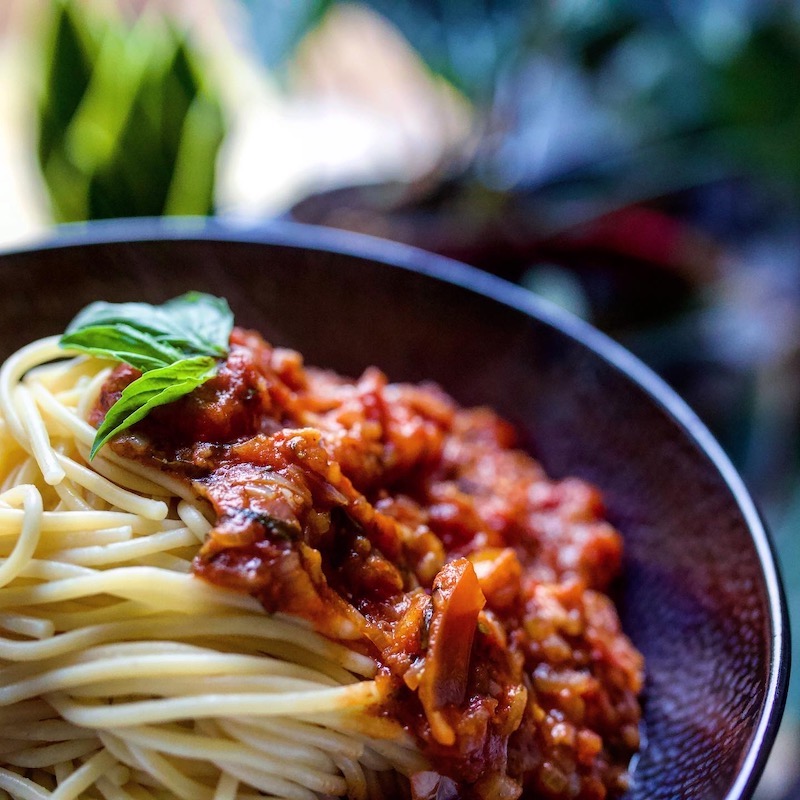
<point>128,124</point>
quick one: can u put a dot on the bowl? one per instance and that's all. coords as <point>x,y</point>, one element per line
<point>700,595</point>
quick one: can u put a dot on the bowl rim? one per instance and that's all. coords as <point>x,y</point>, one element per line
<point>283,232</point>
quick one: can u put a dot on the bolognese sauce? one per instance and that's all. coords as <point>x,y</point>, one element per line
<point>416,532</point>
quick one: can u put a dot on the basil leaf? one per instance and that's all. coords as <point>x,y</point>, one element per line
<point>122,342</point>
<point>206,320</point>
<point>197,324</point>
<point>175,345</point>
<point>154,388</point>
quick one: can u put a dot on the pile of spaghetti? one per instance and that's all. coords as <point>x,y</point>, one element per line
<point>288,584</point>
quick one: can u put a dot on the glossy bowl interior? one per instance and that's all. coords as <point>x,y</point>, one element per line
<point>700,594</point>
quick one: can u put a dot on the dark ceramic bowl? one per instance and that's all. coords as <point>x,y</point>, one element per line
<point>700,595</point>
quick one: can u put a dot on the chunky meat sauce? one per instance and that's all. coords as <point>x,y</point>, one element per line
<point>414,530</point>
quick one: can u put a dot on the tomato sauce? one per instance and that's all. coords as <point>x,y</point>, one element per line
<point>416,532</point>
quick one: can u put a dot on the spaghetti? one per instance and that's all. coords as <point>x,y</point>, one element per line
<point>286,584</point>
<point>123,676</point>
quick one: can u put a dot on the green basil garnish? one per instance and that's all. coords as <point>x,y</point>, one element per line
<point>195,324</point>
<point>176,346</point>
<point>155,388</point>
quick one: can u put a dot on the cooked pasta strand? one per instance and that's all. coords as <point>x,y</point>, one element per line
<point>123,677</point>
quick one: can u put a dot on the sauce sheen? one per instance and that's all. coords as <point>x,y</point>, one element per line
<point>416,532</point>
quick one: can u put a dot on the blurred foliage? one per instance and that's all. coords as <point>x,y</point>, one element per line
<point>127,124</point>
<point>465,42</point>
<point>280,25</point>
<point>711,86</point>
